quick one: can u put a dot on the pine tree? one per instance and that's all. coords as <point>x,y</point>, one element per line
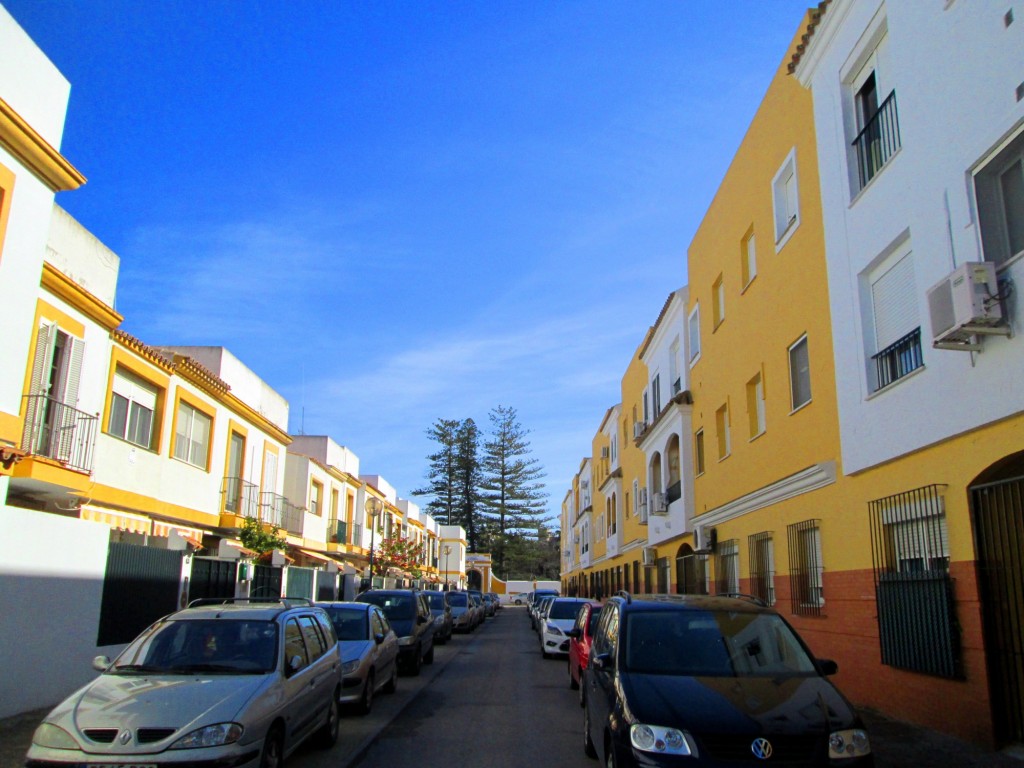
<point>467,463</point>
<point>442,476</point>
<point>511,493</point>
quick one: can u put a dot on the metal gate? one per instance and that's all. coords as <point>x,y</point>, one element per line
<point>326,586</point>
<point>300,582</point>
<point>999,528</point>
<point>266,581</point>
<point>140,585</point>
<point>212,578</point>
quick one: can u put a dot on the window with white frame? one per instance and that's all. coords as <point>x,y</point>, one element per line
<point>698,452</point>
<point>786,200</point>
<point>748,257</point>
<point>718,301</point>
<point>806,568</point>
<point>693,331</point>
<point>656,394</point>
<point>755,405</point>
<point>799,374</point>
<point>999,188</point>
<point>872,120</point>
<point>727,567</point>
<point>132,407</point>
<point>893,314</point>
<point>722,425</point>
<point>762,566</point>
<point>192,435</point>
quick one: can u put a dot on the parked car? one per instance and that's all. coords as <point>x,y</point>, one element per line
<point>558,619</point>
<point>498,605</point>
<point>539,605</point>
<point>477,608</point>
<point>463,616</point>
<point>580,637</point>
<point>719,680</point>
<point>369,652</point>
<point>410,617</point>
<point>225,682</point>
<point>490,604</point>
<point>442,613</point>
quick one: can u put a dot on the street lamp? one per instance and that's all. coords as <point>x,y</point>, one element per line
<point>374,507</point>
<point>447,551</point>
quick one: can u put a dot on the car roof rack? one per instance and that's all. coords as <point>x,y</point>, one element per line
<point>624,594</point>
<point>288,602</point>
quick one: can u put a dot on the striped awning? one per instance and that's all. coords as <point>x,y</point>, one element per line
<point>121,521</point>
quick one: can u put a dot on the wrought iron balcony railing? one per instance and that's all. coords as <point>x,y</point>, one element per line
<point>878,141</point>
<point>57,431</point>
<point>898,359</point>
<point>241,497</point>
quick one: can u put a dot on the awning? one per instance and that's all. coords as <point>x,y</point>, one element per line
<point>238,545</point>
<point>346,567</point>
<point>121,521</point>
<point>316,555</point>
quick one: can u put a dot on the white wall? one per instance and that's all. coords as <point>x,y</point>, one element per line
<point>76,252</point>
<point>954,70</point>
<point>326,451</point>
<point>51,586</point>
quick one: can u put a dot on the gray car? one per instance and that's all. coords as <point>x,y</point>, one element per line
<point>369,652</point>
<point>232,683</point>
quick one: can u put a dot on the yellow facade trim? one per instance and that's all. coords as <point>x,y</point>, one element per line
<point>50,472</point>
<point>10,428</point>
<point>36,153</point>
<point>183,396</point>
<point>128,501</point>
<point>6,192</point>
<point>144,351</point>
<point>63,287</point>
<point>119,358</point>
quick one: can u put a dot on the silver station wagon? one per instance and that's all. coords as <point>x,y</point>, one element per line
<point>227,683</point>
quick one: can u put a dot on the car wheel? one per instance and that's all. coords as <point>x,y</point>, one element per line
<point>273,749</point>
<point>392,685</point>
<point>327,736</point>
<point>583,691</point>
<point>429,657</point>
<point>573,684</point>
<point>366,700</point>
<point>588,744</point>
<point>609,755</point>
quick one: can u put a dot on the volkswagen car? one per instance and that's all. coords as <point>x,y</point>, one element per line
<point>712,681</point>
<point>225,682</point>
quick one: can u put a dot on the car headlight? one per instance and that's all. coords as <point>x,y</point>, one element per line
<point>849,743</point>
<point>210,736</point>
<point>349,667</point>
<point>406,640</point>
<point>553,630</point>
<point>658,739</point>
<point>53,737</point>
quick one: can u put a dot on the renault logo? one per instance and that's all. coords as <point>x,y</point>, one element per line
<point>126,736</point>
<point>761,748</point>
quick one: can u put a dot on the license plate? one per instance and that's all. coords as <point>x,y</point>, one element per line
<point>118,765</point>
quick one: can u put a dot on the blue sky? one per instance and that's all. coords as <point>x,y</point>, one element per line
<point>395,212</point>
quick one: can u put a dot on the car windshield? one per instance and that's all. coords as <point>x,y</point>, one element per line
<point>436,600</point>
<point>713,644</point>
<point>457,599</point>
<point>565,610</point>
<point>349,623</point>
<point>208,646</point>
<point>394,606</point>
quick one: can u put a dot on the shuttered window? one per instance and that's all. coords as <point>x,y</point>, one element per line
<point>893,301</point>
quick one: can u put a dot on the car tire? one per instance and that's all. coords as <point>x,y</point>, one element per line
<point>583,691</point>
<point>392,685</point>
<point>365,703</point>
<point>429,657</point>
<point>609,755</point>
<point>588,744</point>
<point>272,755</point>
<point>327,736</point>
<point>573,683</point>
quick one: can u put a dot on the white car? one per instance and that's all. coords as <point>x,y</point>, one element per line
<point>229,682</point>
<point>554,623</point>
<point>369,652</point>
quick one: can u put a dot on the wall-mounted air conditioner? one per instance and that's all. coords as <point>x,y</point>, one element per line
<point>965,304</point>
<point>639,428</point>
<point>705,539</point>
<point>659,505</point>
<point>650,555</point>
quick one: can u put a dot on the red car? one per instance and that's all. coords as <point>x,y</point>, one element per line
<point>579,643</point>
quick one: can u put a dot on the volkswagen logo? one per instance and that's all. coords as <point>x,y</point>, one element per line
<point>761,748</point>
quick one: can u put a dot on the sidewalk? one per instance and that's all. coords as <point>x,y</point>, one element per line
<point>895,744</point>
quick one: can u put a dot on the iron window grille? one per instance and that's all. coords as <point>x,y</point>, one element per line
<point>898,359</point>
<point>917,622</point>
<point>692,574</point>
<point>762,566</point>
<point>727,575</point>
<point>807,594</point>
<point>878,141</point>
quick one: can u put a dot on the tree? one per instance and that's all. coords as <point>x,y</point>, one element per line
<point>257,538</point>
<point>511,493</point>
<point>396,552</point>
<point>467,474</point>
<point>442,474</point>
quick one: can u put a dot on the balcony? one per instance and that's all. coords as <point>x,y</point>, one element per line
<point>240,497</point>
<point>878,141</point>
<point>277,511</point>
<point>55,430</point>
<point>357,535</point>
<point>337,531</point>
<point>898,359</point>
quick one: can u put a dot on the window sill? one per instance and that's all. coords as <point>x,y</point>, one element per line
<point>800,407</point>
<point>754,437</point>
<point>893,384</point>
<point>787,233</point>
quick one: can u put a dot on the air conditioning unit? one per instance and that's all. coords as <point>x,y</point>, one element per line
<point>705,539</point>
<point>660,505</point>
<point>650,555</point>
<point>642,512</point>
<point>605,452</point>
<point>639,428</point>
<point>964,304</point>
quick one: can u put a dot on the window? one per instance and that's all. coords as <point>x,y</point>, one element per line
<point>718,301</point>
<point>673,367</point>
<point>762,566</point>
<point>999,186</point>
<point>897,330</point>
<point>875,121</point>
<point>799,374</point>
<point>316,499</point>
<point>54,427</point>
<point>192,435</point>
<point>698,452</point>
<point>656,394</point>
<point>636,497</point>
<point>693,329</point>
<point>722,425</point>
<point>748,258</point>
<point>727,567</point>
<point>805,568</point>
<point>132,405</point>
<point>755,406</point>
<point>786,201</point>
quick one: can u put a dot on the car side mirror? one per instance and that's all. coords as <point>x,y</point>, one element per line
<point>421,619</point>
<point>378,638</point>
<point>294,664</point>
<point>601,662</point>
<point>100,663</point>
<point>574,633</point>
<point>828,667</point>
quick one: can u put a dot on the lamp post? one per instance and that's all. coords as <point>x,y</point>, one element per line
<point>447,551</point>
<point>374,507</point>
